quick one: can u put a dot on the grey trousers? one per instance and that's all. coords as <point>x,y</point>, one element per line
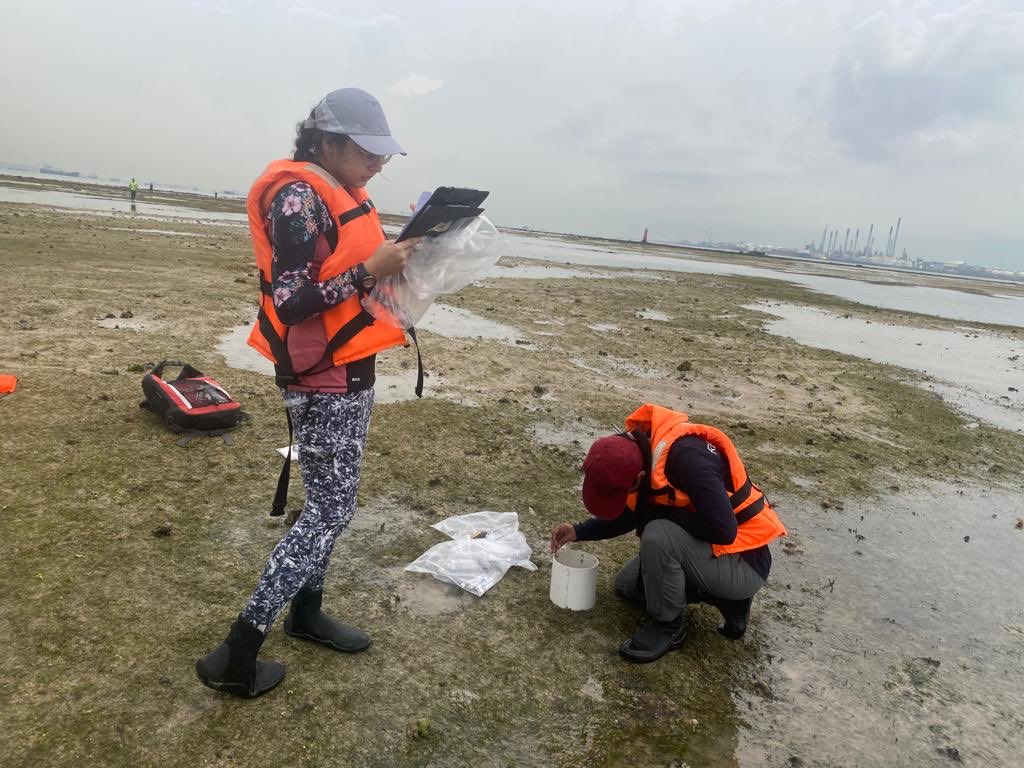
<point>673,559</point>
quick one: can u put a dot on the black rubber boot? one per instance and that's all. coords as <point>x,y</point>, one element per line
<point>231,667</point>
<point>654,640</point>
<point>307,621</point>
<point>736,613</point>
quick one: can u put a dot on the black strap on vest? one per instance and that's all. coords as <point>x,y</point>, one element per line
<point>741,494</point>
<point>281,494</point>
<point>644,492</point>
<point>750,512</point>
<point>668,490</point>
<point>345,334</point>
<point>739,498</point>
<point>419,362</point>
<point>284,374</point>
<point>736,498</point>
<point>354,213</point>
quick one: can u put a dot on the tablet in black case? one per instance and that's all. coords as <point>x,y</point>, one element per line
<point>446,205</point>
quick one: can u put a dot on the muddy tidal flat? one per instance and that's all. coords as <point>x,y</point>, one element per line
<point>891,632</point>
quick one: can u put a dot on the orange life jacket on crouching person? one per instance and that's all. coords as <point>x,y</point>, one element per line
<point>757,523</point>
<point>351,331</point>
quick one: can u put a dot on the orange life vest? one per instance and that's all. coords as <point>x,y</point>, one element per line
<point>757,522</point>
<point>351,331</point>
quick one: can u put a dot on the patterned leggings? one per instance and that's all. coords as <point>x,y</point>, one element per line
<point>331,432</point>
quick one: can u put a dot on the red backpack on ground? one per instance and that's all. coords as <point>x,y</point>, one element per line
<point>193,402</point>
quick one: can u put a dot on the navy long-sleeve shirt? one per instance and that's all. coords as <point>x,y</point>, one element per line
<point>303,236</point>
<point>696,468</point>
<point>299,221</point>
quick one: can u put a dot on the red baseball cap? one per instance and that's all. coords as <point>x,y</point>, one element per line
<point>610,468</point>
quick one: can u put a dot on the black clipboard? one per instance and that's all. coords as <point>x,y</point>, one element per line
<point>446,205</point>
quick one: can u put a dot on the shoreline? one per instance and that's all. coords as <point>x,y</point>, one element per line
<point>237,204</point>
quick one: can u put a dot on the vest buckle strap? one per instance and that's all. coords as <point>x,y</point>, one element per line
<point>741,494</point>
<point>344,334</point>
<point>363,209</point>
<point>284,379</point>
<point>284,374</point>
<point>750,512</point>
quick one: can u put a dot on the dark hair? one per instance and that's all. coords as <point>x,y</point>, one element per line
<point>307,142</point>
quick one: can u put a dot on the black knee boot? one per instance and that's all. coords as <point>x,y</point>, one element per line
<point>736,613</point>
<point>307,621</point>
<point>231,667</point>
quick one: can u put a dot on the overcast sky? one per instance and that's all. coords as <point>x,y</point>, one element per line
<point>752,120</point>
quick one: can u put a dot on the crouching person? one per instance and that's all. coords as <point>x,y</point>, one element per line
<point>704,527</point>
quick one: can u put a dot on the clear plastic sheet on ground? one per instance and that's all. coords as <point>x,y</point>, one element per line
<point>483,546</point>
<point>441,264</point>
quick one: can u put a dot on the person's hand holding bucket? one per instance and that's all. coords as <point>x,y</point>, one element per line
<point>573,573</point>
<point>562,534</point>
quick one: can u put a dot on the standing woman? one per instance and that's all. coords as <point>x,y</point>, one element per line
<point>319,248</point>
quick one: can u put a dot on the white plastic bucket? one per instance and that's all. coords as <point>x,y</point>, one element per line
<point>573,580</point>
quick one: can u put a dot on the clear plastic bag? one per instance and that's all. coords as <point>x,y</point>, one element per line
<point>484,546</point>
<point>440,264</point>
<point>486,522</point>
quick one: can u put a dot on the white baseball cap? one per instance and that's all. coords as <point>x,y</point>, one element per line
<point>358,115</point>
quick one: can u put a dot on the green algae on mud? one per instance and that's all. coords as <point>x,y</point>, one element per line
<point>101,620</point>
<point>832,412</point>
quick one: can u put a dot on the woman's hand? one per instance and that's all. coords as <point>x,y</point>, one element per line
<point>562,534</point>
<point>390,257</point>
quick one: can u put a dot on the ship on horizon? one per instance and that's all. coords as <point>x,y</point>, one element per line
<point>57,171</point>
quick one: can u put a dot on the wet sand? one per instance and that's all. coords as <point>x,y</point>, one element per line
<point>981,373</point>
<point>896,634</point>
<point>890,633</point>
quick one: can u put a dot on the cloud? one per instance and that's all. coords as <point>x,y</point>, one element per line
<point>224,10</point>
<point>416,85</point>
<point>763,119</point>
<point>907,77</point>
<point>304,12</point>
